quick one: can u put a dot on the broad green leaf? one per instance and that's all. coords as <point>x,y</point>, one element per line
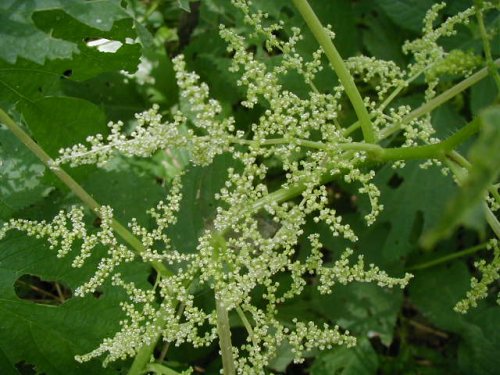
<point>27,81</point>
<point>33,77</point>
<point>360,360</point>
<point>340,16</point>
<point>20,37</point>
<point>129,193</point>
<point>484,157</point>
<point>197,210</point>
<point>482,95</point>
<point>58,122</point>
<point>383,39</point>
<point>479,353</point>
<point>364,309</point>
<point>46,336</point>
<point>407,14</point>
<point>413,201</point>
<point>119,99</point>
<point>434,292</point>
<point>20,175</point>
<point>114,50</point>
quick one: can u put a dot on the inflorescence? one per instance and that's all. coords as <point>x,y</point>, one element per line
<point>235,256</point>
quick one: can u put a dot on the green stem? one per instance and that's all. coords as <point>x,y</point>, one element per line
<point>486,45</point>
<point>142,358</point>
<point>280,141</point>
<point>433,151</point>
<point>338,65</point>
<point>429,106</point>
<point>464,163</point>
<point>376,152</point>
<point>224,331</point>
<point>219,246</point>
<point>247,324</point>
<point>447,258</point>
<point>351,146</point>
<point>77,189</point>
<point>438,100</point>
<point>492,220</point>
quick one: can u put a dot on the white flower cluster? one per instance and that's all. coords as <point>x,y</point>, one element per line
<point>431,58</point>
<point>69,228</point>
<point>236,257</point>
<point>149,135</point>
<point>490,272</point>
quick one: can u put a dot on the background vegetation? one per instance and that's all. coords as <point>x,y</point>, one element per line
<point>63,88</point>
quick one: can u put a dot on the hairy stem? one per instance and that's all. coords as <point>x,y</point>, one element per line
<point>338,65</point>
<point>85,197</point>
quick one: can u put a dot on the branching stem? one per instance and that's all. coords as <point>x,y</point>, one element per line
<point>77,189</point>
<point>339,66</point>
<point>430,105</point>
<point>439,100</point>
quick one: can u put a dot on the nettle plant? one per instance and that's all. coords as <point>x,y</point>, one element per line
<point>237,256</point>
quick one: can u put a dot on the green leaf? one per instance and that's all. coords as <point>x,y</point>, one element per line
<point>407,14</point>
<point>340,15</point>
<point>30,79</point>
<point>27,81</point>
<point>197,210</point>
<point>383,39</point>
<point>360,360</point>
<point>184,5</point>
<point>479,352</point>
<point>20,36</point>
<point>362,308</point>
<point>413,201</point>
<point>58,122</point>
<point>436,303</point>
<point>483,94</point>
<point>47,336</point>
<point>20,175</point>
<point>119,99</point>
<point>434,292</point>
<point>129,193</point>
<point>484,157</point>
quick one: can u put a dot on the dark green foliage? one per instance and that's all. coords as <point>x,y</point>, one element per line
<point>62,90</point>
